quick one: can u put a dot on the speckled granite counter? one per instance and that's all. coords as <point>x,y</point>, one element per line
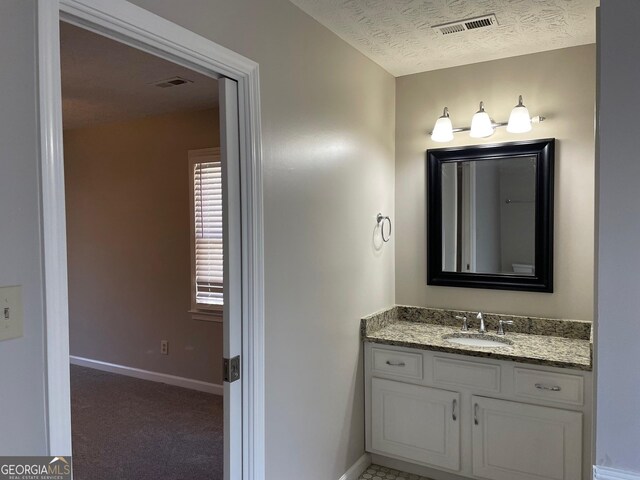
<point>541,341</point>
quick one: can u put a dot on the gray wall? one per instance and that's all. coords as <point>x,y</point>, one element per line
<point>22,391</point>
<point>618,302</point>
<point>560,84</point>
<point>128,242</point>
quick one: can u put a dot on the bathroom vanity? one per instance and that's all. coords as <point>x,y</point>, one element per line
<point>518,410</point>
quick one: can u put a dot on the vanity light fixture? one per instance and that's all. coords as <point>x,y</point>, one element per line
<point>482,126</point>
<point>443,130</point>
<point>519,120</point>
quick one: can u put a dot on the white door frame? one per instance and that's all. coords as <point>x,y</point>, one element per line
<point>127,23</point>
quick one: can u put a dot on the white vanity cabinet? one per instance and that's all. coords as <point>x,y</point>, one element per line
<point>450,416</point>
<point>520,441</point>
<point>416,422</point>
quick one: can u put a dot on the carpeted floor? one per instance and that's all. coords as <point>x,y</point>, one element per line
<point>130,429</point>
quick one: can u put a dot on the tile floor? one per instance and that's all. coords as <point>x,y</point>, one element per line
<point>376,472</point>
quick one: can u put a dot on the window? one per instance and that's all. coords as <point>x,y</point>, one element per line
<point>205,174</point>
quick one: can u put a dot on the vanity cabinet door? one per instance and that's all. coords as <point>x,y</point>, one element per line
<point>517,441</point>
<point>417,423</point>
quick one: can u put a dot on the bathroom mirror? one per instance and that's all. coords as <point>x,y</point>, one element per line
<point>490,216</point>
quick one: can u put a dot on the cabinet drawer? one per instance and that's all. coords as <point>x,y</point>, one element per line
<point>392,362</point>
<point>466,374</point>
<point>556,387</point>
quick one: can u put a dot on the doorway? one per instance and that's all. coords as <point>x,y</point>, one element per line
<point>243,336</point>
<point>144,256</point>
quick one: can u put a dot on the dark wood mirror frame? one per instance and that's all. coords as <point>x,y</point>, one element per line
<point>542,280</point>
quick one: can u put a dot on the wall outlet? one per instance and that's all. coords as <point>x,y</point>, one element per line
<point>164,347</point>
<point>11,317</point>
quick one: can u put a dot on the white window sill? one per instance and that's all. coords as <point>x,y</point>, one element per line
<point>207,315</point>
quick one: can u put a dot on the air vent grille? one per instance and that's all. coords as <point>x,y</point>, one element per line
<point>483,22</point>
<point>452,29</point>
<point>465,25</point>
<point>171,82</point>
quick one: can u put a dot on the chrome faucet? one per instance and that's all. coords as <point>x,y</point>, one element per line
<point>482,328</point>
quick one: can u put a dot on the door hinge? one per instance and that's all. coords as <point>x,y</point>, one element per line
<point>231,369</point>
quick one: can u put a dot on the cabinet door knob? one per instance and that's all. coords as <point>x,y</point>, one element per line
<point>475,414</point>
<point>453,410</point>
<point>552,388</point>
<point>395,364</point>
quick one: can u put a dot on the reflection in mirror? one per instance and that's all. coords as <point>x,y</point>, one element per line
<point>488,216</point>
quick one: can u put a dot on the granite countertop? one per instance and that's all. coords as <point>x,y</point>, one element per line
<point>556,343</point>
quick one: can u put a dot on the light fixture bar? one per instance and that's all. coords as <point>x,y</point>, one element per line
<point>536,119</point>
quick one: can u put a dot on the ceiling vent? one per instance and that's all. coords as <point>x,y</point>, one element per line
<point>171,82</point>
<point>460,26</point>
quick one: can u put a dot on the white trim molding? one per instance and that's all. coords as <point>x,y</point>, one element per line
<point>174,380</point>
<point>54,231</point>
<point>606,473</point>
<point>132,25</point>
<point>357,468</point>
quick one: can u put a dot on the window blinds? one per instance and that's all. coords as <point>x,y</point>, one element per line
<point>207,185</point>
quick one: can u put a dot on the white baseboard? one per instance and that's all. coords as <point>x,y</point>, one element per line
<point>147,375</point>
<point>606,473</point>
<point>357,468</point>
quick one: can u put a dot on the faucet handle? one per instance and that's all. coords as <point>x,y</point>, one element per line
<point>501,324</point>
<point>465,323</point>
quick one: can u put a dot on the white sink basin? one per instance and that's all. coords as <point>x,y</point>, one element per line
<point>477,340</point>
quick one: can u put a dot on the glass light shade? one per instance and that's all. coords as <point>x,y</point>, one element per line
<point>443,129</point>
<point>519,120</point>
<point>481,124</point>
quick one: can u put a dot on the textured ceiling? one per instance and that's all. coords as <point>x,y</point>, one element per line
<point>106,81</point>
<point>397,34</point>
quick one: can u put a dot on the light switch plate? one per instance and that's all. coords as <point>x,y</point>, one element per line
<point>11,312</point>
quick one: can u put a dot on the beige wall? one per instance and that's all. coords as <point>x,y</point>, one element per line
<point>128,238</point>
<point>559,84</point>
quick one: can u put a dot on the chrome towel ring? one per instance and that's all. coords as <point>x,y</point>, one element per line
<point>381,219</point>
